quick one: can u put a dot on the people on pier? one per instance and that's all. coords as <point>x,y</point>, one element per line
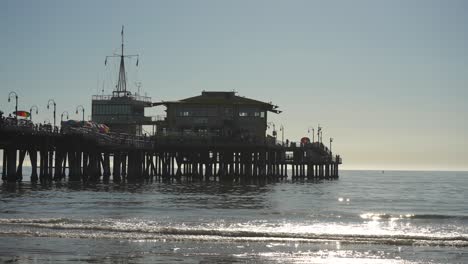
<point>2,119</point>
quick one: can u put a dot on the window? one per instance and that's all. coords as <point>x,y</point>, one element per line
<point>228,111</point>
<point>183,113</point>
<point>205,111</point>
<point>243,114</point>
<point>111,109</point>
<point>200,120</point>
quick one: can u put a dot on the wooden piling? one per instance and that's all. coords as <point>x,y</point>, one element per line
<point>11,164</point>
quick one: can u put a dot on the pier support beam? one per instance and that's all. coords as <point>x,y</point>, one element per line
<point>33,157</point>
<point>116,167</point>
<point>19,171</point>
<point>11,164</point>
<point>106,167</point>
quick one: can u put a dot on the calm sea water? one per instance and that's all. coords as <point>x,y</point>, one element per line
<point>364,217</point>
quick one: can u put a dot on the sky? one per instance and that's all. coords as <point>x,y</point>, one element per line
<point>387,80</point>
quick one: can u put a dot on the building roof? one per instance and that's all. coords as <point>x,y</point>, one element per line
<point>221,98</point>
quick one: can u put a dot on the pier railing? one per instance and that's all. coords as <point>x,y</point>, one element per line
<point>313,151</point>
<point>113,139</point>
<point>204,139</point>
<point>27,127</point>
<point>103,97</point>
<point>102,139</point>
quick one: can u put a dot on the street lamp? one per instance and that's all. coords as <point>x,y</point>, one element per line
<point>308,131</point>
<point>82,109</point>
<point>274,129</point>
<point>282,134</point>
<point>16,104</point>
<point>61,116</point>
<point>319,132</point>
<point>31,111</point>
<point>55,107</point>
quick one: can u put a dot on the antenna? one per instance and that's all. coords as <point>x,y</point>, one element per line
<point>121,33</point>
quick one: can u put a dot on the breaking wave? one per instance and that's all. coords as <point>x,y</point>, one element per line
<point>110,229</point>
<point>385,216</point>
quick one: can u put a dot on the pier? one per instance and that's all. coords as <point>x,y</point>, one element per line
<point>79,154</point>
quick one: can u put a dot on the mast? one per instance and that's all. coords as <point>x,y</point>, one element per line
<point>122,82</point>
<point>121,87</point>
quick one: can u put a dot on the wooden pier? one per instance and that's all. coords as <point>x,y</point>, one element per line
<point>79,154</point>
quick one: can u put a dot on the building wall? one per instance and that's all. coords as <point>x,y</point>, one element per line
<point>123,116</point>
<point>246,121</point>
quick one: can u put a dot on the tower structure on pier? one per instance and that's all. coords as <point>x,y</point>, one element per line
<point>122,111</point>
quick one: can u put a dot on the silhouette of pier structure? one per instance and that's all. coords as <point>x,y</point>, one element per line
<point>82,155</point>
<point>212,136</point>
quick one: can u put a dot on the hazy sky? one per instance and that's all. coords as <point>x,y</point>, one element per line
<point>386,79</point>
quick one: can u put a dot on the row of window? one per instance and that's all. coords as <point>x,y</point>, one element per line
<point>252,114</point>
<point>113,109</point>
<point>212,112</point>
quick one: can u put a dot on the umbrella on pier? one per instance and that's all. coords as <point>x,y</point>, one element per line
<point>305,140</point>
<point>90,124</point>
<point>71,123</point>
<point>22,113</point>
<point>103,128</point>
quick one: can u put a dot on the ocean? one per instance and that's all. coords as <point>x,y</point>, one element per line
<point>363,217</point>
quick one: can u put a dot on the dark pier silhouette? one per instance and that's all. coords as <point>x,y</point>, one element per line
<point>217,135</point>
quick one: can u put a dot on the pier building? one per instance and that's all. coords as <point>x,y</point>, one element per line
<point>217,114</point>
<point>121,113</point>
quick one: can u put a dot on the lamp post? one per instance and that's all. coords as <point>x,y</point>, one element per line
<point>31,111</point>
<point>55,107</point>
<point>61,116</point>
<point>274,129</point>
<point>82,110</point>
<point>319,132</point>
<point>282,134</point>
<point>308,131</point>
<point>331,140</point>
<point>16,104</point>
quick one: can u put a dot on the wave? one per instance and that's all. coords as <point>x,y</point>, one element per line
<point>385,216</point>
<point>109,229</point>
